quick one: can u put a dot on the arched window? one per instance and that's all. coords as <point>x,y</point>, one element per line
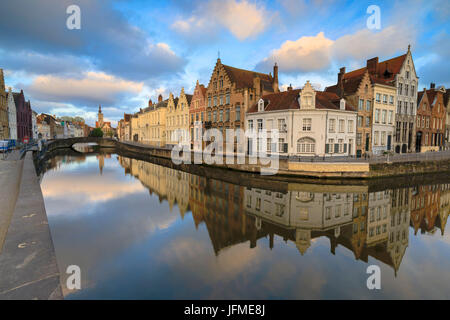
<point>306,145</point>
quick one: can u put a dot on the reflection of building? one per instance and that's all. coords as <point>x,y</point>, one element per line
<point>378,219</point>
<point>370,224</point>
<point>303,211</point>
<point>425,204</point>
<point>399,226</point>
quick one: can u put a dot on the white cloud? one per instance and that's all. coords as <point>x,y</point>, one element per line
<point>91,87</point>
<point>242,18</point>
<point>315,53</point>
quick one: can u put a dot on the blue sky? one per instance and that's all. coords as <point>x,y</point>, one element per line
<point>129,51</point>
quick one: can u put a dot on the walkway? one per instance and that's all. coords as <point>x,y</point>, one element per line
<point>28,265</point>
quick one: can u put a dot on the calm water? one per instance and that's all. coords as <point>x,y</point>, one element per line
<point>142,231</point>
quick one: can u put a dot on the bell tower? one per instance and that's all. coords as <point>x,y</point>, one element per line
<point>100,116</point>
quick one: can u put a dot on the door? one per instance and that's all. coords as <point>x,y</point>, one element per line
<point>389,142</point>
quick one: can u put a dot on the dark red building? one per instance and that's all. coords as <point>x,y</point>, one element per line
<point>24,113</point>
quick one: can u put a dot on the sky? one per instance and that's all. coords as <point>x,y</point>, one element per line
<point>127,52</point>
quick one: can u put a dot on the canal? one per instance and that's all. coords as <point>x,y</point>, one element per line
<point>139,230</point>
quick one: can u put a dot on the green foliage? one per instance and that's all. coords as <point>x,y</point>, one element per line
<point>97,132</point>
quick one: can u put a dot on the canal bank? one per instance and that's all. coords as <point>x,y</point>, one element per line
<point>28,264</point>
<point>328,169</point>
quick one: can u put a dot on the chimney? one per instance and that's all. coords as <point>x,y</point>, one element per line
<point>257,86</point>
<point>275,78</point>
<point>341,74</point>
<point>160,98</point>
<point>372,65</point>
<point>432,85</point>
<point>289,88</point>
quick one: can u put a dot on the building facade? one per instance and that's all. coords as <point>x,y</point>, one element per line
<point>231,92</point>
<point>12,116</point>
<point>197,110</point>
<point>383,127</point>
<point>431,119</point>
<point>175,120</point>
<point>23,111</point>
<point>406,82</point>
<point>4,128</point>
<point>309,123</point>
<point>34,128</point>
<point>357,88</point>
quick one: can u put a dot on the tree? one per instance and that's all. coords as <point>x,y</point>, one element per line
<point>97,132</point>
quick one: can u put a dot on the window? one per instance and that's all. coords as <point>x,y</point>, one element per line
<point>341,145</point>
<point>221,100</point>
<point>282,125</point>
<point>350,126</point>
<point>332,127</point>
<point>368,105</point>
<point>341,125</point>
<point>385,98</point>
<point>399,107</point>
<point>269,144</point>
<point>306,145</point>
<point>361,104</point>
<point>215,101</point>
<point>238,113</point>
<point>383,116</point>
<point>215,116</point>
<point>400,88</point>
<point>378,97</point>
<point>250,124</point>
<point>375,138</point>
<point>260,124</point>
<point>406,89</point>
<point>281,147</point>
<point>209,101</point>
<point>358,139</point>
<point>330,146</point>
<point>307,124</point>
<point>377,115</point>
<point>360,121</point>
<point>391,99</point>
<point>367,121</point>
<point>221,115</point>
<point>390,118</point>
<point>209,115</point>
<point>383,138</point>
<point>227,115</point>
<point>228,98</point>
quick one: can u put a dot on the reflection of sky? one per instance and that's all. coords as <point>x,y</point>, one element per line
<point>130,246</point>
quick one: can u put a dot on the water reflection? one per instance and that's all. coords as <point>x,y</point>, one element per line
<point>372,225</point>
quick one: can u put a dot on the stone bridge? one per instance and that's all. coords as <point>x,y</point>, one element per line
<point>69,142</point>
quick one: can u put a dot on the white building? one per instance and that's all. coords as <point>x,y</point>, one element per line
<point>12,116</point>
<point>34,128</point>
<point>309,123</point>
<point>43,130</point>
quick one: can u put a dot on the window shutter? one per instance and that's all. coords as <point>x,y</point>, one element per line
<point>336,148</point>
<point>327,148</point>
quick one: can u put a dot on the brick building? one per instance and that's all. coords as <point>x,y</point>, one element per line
<point>231,91</point>
<point>197,116</point>
<point>23,109</point>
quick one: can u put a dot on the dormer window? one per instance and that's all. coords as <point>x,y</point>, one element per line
<point>342,104</point>
<point>260,105</point>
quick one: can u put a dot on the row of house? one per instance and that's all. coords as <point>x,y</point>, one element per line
<point>369,111</point>
<point>369,223</point>
<point>17,119</point>
<point>50,127</point>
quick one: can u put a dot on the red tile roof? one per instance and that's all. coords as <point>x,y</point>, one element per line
<point>288,100</point>
<point>244,78</point>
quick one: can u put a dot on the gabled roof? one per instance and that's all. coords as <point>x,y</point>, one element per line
<point>393,65</point>
<point>288,100</point>
<point>244,78</point>
<point>189,98</point>
<point>278,101</point>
